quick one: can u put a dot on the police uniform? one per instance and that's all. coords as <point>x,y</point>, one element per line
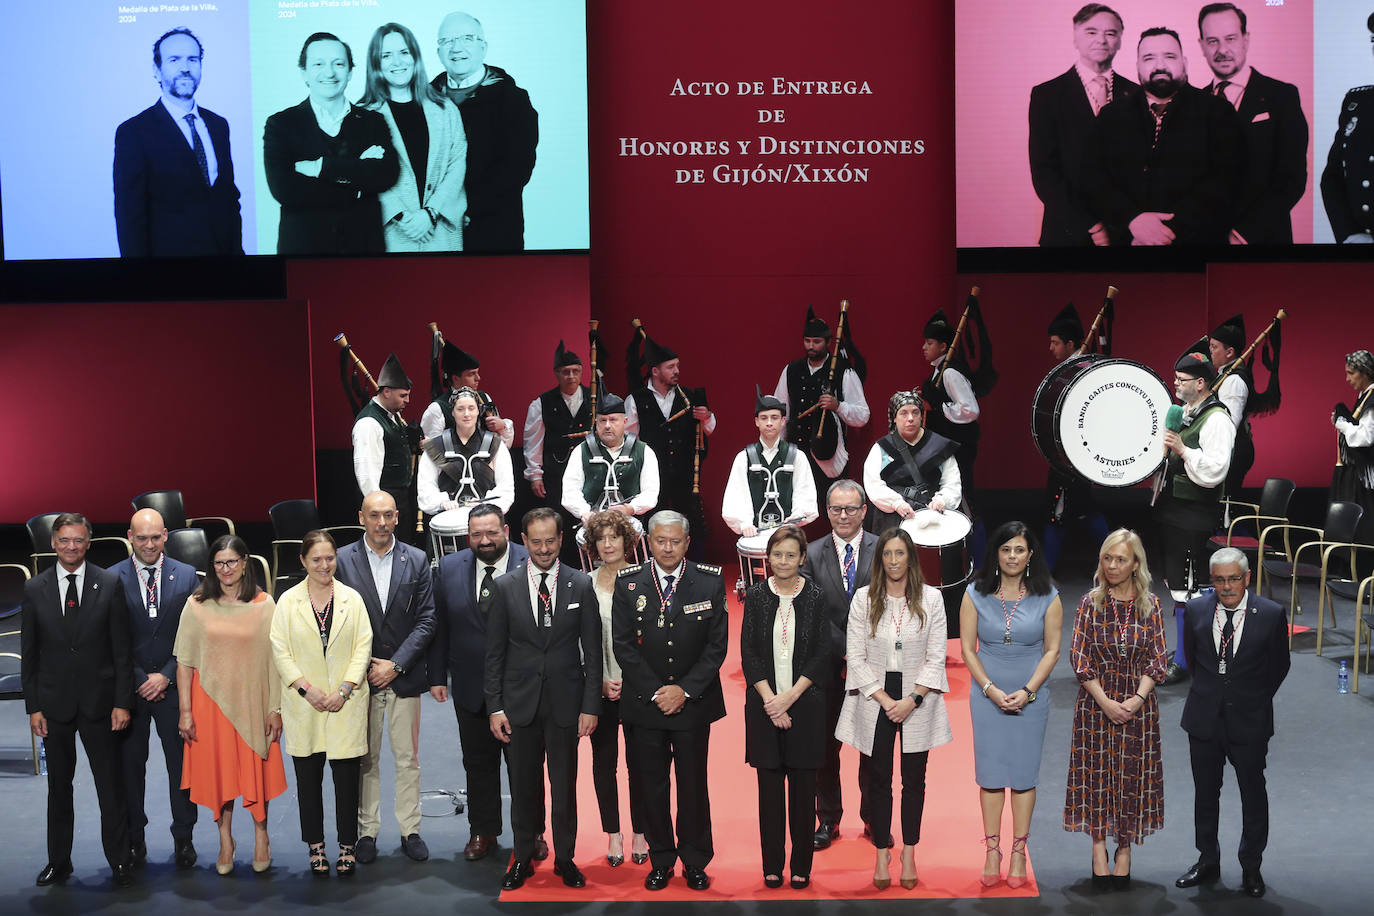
<point>1348,181</point>
<point>682,643</point>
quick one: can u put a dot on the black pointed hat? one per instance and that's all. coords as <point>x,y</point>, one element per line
<point>609,403</point>
<point>457,361</point>
<point>655,353</point>
<point>939,328</point>
<point>764,402</point>
<point>814,327</point>
<point>1067,325</point>
<point>562,357</point>
<point>1196,362</point>
<point>1231,332</point>
<point>392,375</point>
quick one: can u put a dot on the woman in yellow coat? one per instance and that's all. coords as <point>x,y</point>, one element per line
<point>321,642</point>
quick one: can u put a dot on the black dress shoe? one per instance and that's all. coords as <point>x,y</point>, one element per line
<point>1251,882</point>
<point>52,874</point>
<point>541,849</point>
<point>1199,873</point>
<point>697,879</point>
<point>657,879</point>
<point>138,853</point>
<point>123,875</point>
<point>365,850</point>
<point>185,853</point>
<point>570,873</point>
<point>1174,674</point>
<point>515,876</point>
<point>826,834</point>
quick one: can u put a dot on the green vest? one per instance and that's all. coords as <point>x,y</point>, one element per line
<point>396,462</point>
<point>597,462</point>
<point>1181,485</point>
<point>767,503</point>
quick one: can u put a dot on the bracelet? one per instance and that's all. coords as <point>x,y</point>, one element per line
<point>344,693</point>
<point>987,687</point>
<point>1143,699</point>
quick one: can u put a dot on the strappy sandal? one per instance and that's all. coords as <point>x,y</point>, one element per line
<point>346,864</point>
<point>993,841</point>
<point>1018,848</point>
<point>319,861</point>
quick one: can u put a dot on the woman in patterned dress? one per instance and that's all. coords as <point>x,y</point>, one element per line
<point>1116,771</point>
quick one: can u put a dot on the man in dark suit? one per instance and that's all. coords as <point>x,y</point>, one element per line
<point>1272,122</point>
<point>1062,112</point>
<point>77,673</point>
<point>839,564</point>
<point>402,626</point>
<point>543,686</point>
<point>155,590</point>
<point>1237,648</point>
<point>1168,162</point>
<point>174,191</point>
<point>457,663</point>
<point>670,632</point>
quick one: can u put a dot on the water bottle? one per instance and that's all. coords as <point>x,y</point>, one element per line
<point>42,757</point>
<point>1343,677</point>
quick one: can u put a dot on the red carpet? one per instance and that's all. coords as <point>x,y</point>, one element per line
<point>949,858</point>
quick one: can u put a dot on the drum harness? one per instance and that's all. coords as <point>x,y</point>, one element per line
<point>611,491</point>
<point>763,518</point>
<point>466,480</point>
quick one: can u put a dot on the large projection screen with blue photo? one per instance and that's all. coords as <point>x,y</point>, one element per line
<point>488,153</point>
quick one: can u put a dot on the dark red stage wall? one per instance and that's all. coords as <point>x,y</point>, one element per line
<point>103,402</point>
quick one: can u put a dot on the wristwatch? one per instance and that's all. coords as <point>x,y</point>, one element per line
<point>1030,694</point>
<point>399,670</point>
<point>301,690</point>
<point>917,698</point>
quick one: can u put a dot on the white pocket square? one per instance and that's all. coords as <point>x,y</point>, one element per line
<point>574,604</point>
<point>1262,116</point>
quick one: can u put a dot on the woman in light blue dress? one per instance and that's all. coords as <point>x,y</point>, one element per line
<point>1009,627</point>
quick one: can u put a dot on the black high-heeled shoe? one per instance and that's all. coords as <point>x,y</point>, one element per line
<point>772,880</point>
<point>319,861</point>
<point>1120,882</point>
<point>801,882</point>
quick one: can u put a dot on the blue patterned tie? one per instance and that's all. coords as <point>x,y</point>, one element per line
<point>849,569</point>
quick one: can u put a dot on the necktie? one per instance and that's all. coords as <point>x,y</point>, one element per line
<point>73,602</point>
<point>1097,92</point>
<point>1221,89</point>
<point>1157,109</point>
<point>667,592</point>
<point>484,594</point>
<point>1228,631</point>
<point>544,602</point>
<point>198,148</point>
<point>152,590</point>
<point>849,569</point>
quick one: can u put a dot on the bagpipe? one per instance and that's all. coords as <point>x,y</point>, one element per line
<point>1099,336</point>
<point>825,438</point>
<point>439,384</point>
<point>975,350</point>
<point>353,374</point>
<point>1261,403</point>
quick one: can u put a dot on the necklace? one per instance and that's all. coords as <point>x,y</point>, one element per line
<point>901,616</point>
<point>785,613</point>
<point>322,616</point>
<point>1008,615</point>
<point>1117,619</point>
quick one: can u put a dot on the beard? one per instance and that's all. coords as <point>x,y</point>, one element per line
<point>1163,85</point>
<point>183,86</point>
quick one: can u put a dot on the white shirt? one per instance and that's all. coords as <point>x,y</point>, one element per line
<point>853,410</point>
<point>211,163</point>
<point>381,568</point>
<point>432,424</point>
<point>1207,464</point>
<point>1234,393</point>
<point>1235,91</point>
<point>536,606</point>
<point>888,499</point>
<point>737,507</point>
<point>433,500</point>
<point>663,575</point>
<point>1237,621</point>
<point>499,567</point>
<point>840,543</point>
<point>1358,433</point>
<point>964,406</point>
<point>574,477</point>
<point>369,451</point>
<point>665,407</point>
<point>62,574</point>
<point>534,432</point>
<point>1087,75</point>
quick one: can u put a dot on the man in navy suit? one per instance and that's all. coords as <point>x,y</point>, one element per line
<point>174,191</point>
<point>402,625</point>
<point>1062,112</point>
<point>155,589</point>
<point>1272,121</point>
<point>839,564</point>
<point>457,659</point>
<point>543,686</point>
<point>77,673</point>
<point>1237,648</point>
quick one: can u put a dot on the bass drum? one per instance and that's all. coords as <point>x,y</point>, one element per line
<point>1102,419</point>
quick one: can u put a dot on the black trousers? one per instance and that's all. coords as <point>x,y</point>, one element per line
<point>133,746</point>
<point>530,746</point>
<point>1184,527</point>
<point>310,797</point>
<point>482,755</point>
<point>1209,763</point>
<point>685,751</point>
<point>829,800</point>
<point>605,758</point>
<point>886,735</point>
<point>102,752</point>
<point>787,809</point>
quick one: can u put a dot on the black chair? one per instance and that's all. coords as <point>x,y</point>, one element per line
<point>106,552</point>
<point>291,520</point>
<point>1342,518</point>
<point>12,579</point>
<point>40,539</point>
<point>189,545</point>
<point>172,507</point>
<point>1272,509</point>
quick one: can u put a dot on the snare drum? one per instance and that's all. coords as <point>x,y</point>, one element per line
<point>638,552</point>
<point>448,532</point>
<point>753,566</point>
<point>942,546</point>
<point>1101,419</point>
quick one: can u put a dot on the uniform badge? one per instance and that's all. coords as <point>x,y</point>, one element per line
<point>1352,106</point>
<point>630,586</point>
<point>640,602</point>
<point>1350,128</point>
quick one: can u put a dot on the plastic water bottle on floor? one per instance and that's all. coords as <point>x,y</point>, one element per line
<point>42,758</point>
<point>1343,677</point>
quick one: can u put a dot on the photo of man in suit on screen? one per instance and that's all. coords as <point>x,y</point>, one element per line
<point>174,191</point>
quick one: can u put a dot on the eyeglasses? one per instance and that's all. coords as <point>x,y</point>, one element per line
<point>467,40</point>
<point>846,511</point>
<point>1228,580</point>
<point>71,542</point>
<point>228,564</point>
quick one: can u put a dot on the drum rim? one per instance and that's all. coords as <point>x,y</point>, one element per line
<point>968,523</point>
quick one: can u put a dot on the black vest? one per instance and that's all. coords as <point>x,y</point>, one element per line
<point>597,463</point>
<point>396,462</point>
<point>927,455</point>
<point>936,421</point>
<point>558,423</point>
<point>457,461</point>
<point>804,389</point>
<point>772,504</point>
<point>1179,484</point>
<point>673,443</point>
